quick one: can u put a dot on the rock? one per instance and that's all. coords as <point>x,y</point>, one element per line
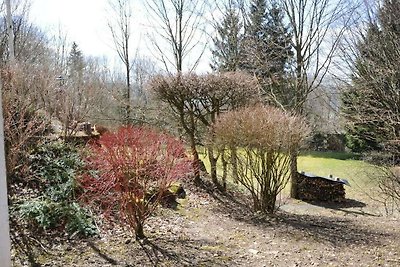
<point>177,190</point>
<point>169,196</point>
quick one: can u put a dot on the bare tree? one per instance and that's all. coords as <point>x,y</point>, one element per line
<point>318,26</point>
<point>19,39</point>
<point>198,100</point>
<point>217,94</point>
<point>61,46</point>
<point>120,27</point>
<point>143,69</point>
<point>23,119</point>
<point>179,24</point>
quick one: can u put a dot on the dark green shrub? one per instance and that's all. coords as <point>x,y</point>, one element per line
<point>317,142</point>
<point>56,165</point>
<point>362,139</point>
<point>327,142</point>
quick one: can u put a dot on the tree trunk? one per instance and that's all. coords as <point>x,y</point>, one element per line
<point>213,166</point>
<point>224,171</point>
<point>293,175</point>
<point>190,131</point>
<point>196,160</point>
<point>139,234</point>
<point>10,32</point>
<point>234,165</point>
<point>128,92</point>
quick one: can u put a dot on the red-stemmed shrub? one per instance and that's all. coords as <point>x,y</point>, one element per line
<point>130,171</point>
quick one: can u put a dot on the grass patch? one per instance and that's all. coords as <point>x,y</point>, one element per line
<point>331,155</point>
<point>361,175</point>
<point>348,168</point>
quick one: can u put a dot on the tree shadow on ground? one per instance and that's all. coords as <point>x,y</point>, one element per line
<point>331,155</point>
<point>184,252</point>
<point>102,255</point>
<point>347,206</point>
<point>347,203</point>
<point>166,251</point>
<point>337,230</point>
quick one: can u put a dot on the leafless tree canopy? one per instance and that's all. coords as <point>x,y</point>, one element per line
<point>318,26</point>
<point>198,100</point>
<point>23,119</point>
<point>120,28</point>
<point>180,25</point>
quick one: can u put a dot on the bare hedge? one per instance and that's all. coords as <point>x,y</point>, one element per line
<point>259,142</point>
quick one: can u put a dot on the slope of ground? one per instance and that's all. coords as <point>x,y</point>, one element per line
<point>216,230</point>
<point>213,229</point>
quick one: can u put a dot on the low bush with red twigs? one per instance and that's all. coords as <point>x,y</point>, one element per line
<point>130,171</point>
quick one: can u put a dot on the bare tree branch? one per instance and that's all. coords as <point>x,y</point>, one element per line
<point>179,24</point>
<point>120,28</point>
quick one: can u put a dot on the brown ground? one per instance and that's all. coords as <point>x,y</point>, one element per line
<point>215,230</point>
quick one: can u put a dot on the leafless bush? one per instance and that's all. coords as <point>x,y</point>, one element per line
<point>131,172</point>
<point>22,117</point>
<point>389,185</point>
<point>260,140</point>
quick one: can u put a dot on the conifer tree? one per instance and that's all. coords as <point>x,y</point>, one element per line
<point>280,55</point>
<point>74,101</point>
<point>372,104</point>
<point>76,63</point>
<point>279,48</point>
<point>255,58</point>
<point>227,42</point>
<point>267,50</point>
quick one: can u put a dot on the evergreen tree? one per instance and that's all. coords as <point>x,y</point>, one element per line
<point>254,56</point>
<point>268,51</point>
<point>226,52</point>
<point>75,98</point>
<point>372,103</point>
<point>76,64</point>
<point>280,55</point>
<point>361,133</point>
<point>279,48</point>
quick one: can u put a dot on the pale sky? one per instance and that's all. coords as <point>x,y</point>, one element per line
<point>85,22</point>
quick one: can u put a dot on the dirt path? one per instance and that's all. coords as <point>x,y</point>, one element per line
<point>301,234</point>
<point>217,231</point>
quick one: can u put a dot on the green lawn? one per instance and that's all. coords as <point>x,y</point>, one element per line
<point>344,165</point>
<point>361,175</point>
<point>337,164</point>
